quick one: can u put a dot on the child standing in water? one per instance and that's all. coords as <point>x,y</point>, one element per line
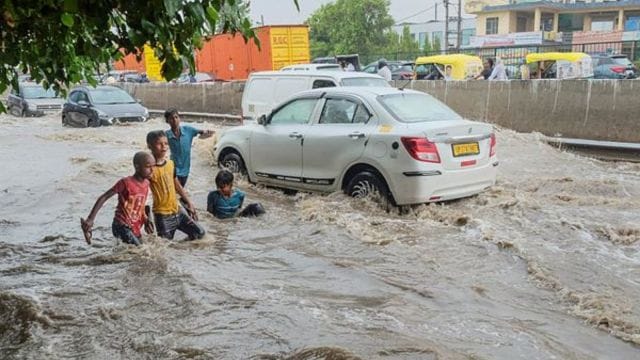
<point>132,196</point>
<point>180,138</point>
<point>169,216</point>
<point>225,202</point>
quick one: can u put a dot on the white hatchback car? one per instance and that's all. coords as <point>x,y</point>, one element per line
<point>403,144</point>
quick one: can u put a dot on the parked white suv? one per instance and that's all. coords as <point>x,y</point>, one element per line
<point>403,144</point>
<point>266,89</point>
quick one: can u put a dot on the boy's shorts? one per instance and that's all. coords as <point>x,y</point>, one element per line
<point>166,225</point>
<point>124,233</point>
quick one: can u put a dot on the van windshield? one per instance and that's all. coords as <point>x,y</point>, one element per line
<point>414,108</point>
<point>365,81</point>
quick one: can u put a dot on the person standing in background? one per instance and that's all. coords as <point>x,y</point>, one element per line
<point>383,70</point>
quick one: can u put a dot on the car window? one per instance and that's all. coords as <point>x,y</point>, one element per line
<point>417,108</point>
<point>371,69</point>
<point>37,92</point>
<point>605,61</point>
<point>296,112</point>
<point>338,111</point>
<point>329,68</point>
<point>82,96</point>
<point>73,97</point>
<point>111,96</point>
<point>365,81</point>
<point>322,84</point>
<point>362,115</point>
<point>622,61</point>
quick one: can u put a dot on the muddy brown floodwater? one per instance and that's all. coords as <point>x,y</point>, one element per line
<point>545,265</point>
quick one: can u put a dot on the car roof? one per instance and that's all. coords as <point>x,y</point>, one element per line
<point>30,84</point>
<point>339,75</point>
<point>90,88</point>
<point>366,91</point>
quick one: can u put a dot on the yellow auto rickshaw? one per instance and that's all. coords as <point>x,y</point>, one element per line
<point>447,67</point>
<point>558,65</point>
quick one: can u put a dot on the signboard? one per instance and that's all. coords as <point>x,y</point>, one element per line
<point>152,64</point>
<point>521,38</point>
<point>289,45</point>
<point>473,6</point>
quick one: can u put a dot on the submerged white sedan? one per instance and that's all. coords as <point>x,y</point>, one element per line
<point>402,144</point>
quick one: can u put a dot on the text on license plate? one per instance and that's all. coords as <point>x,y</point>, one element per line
<point>466,149</point>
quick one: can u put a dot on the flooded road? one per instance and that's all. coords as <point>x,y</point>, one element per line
<point>545,265</point>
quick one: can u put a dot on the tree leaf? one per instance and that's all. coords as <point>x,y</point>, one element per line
<point>67,19</point>
<point>171,6</point>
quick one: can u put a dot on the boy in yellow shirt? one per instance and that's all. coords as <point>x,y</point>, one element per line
<point>169,216</point>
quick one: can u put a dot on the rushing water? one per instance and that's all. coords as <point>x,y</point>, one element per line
<point>545,265</point>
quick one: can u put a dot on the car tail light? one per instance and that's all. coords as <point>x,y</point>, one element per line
<point>618,69</point>
<point>421,149</point>
<point>492,147</point>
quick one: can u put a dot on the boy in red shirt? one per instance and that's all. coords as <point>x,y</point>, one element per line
<point>132,196</point>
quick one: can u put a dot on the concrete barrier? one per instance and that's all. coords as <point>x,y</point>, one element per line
<point>216,97</point>
<point>607,110</point>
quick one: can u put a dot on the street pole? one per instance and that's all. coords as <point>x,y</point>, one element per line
<point>436,17</point>
<point>446,25</point>
<point>459,25</point>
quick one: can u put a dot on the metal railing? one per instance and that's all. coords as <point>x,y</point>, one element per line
<point>515,54</point>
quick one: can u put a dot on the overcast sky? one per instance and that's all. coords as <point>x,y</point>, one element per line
<point>279,12</point>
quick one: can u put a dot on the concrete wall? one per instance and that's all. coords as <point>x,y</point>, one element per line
<point>584,109</point>
<point>219,97</point>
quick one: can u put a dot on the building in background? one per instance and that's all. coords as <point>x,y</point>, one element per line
<point>534,22</point>
<point>434,31</point>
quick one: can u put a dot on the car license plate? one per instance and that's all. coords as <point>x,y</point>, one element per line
<point>465,149</point>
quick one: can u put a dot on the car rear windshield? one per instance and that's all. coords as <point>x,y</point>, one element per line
<point>414,108</point>
<point>37,92</point>
<point>365,81</point>
<point>329,68</point>
<point>111,96</point>
<point>622,61</point>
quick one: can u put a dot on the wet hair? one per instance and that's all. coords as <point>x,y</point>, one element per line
<point>153,136</point>
<point>224,177</point>
<point>169,113</point>
<point>140,157</point>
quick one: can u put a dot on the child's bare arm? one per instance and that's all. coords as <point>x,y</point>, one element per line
<point>183,194</point>
<point>96,207</point>
<point>87,224</point>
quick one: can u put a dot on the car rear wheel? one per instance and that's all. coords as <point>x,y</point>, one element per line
<point>367,184</point>
<point>233,162</point>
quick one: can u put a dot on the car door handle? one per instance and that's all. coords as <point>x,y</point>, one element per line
<point>295,135</point>
<point>356,135</point>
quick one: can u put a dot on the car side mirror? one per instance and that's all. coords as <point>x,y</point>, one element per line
<point>83,103</point>
<point>262,120</point>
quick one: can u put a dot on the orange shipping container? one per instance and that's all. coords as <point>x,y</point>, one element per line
<point>230,58</point>
<point>129,62</point>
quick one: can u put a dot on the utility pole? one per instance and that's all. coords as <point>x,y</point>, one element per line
<point>459,25</point>
<point>446,25</point>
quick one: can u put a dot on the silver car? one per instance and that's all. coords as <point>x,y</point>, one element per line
<point>32,99</point>
<point>402,144</point>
